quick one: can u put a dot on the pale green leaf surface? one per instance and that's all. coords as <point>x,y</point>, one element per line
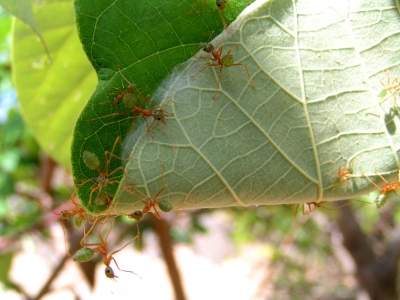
<point>316,66</point>
<point>52,95</point>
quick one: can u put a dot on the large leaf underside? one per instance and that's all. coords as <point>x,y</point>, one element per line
<point>316,67</point>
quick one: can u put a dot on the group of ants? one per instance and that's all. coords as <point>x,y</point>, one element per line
<point>102,197</point>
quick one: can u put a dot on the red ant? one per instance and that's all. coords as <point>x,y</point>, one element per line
<point>79,212</point>
<point>151,203</point>
<point>125,93</point>
<point>343,174</point>
<point>157,112</point>
<point>225,61</point>
<point>384,190</point>
<point>101,248</point>
<point>92,162</point>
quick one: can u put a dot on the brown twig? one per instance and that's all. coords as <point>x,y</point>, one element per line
<point>161,227</point>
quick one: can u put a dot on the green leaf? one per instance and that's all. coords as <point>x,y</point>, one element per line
<point>52,95</point>
<point>316,72</point>
<point>22,10</point>
<point>147,40</point>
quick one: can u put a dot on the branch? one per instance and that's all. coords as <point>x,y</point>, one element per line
<point>161,227</point>
<point>376,274</point>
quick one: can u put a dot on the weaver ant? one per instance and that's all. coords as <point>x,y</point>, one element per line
<point>383,195</point>
<point>164,205</point>
<point>343,174</point>
<point>101,248</point>
<point>225,61</point>
<point>127,95</point>
<point>92,162</point>
<point>157,112</point>
<point>392,87</point>
<point>79,214</point>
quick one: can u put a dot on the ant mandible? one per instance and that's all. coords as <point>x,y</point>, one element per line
<point>225,61</point>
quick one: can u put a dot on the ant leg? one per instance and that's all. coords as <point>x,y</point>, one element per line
<point>63,217</point>
<point>380,176</point>
<point>248,74</point>
<point>218,81</point>
<point>370,180</point>
<point>108,155</point>
<point>295,208</point>
<point>121,269</point>
<point>144,100</point>
<point>160,191</point>
<point>230,50</point>
<point>195,4</point>
<point>147,126</point>
<point>210,65</point>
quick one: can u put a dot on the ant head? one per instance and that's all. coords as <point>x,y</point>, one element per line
<point>65,215</point>
<point>221,4</point>
<point>208,48</point>
<point>137,215</point>
<point>158,114</point>
<point>110,273</point>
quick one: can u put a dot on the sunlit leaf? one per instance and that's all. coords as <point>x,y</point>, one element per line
<point>52,95</point>
<point>314,112</point>
<point>22,9</point>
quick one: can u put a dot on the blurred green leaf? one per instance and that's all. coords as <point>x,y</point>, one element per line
<point>13,128</point>
<point>22,10</point>
<point>52,95</point>
<point>5,264</point>
<point>9,160</point>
